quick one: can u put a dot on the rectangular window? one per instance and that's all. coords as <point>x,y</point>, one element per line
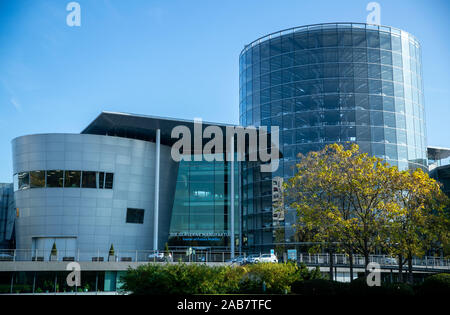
<point>109,180</point>
<point>72,179</point>
<point>135,216</point>
<point>89,180</point>
<point>37,179</point>
<point>24,180</point>
<point>55,179</point>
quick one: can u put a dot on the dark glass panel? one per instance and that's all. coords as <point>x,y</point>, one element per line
<point>135,216</point>
<point>331,101</point>
<point>55,178</point>
<point>37,179</point>
<point>89,180</point>
<point>72,179</point>
<point>109,180</point>
<point>331,85</point>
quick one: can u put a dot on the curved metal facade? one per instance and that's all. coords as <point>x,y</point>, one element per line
<point>94,217</point>
<point>324,84</point>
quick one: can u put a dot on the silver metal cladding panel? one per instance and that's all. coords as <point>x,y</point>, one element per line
<point>96,217</point>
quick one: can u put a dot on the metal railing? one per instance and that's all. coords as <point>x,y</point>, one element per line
<point>204,256</point>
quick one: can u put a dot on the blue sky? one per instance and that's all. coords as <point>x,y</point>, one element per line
<point>172,58</point>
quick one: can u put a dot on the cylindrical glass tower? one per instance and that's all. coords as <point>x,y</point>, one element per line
<point>321,84</point>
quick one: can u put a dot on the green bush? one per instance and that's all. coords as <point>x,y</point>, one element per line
<point>201,279</point>
<point>182,279</point>
<point>435,285</point>
<point>268,278</point>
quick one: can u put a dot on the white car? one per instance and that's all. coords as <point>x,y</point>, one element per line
<point>266,258</point>
<point>252,259</point>
<point>156,257</point>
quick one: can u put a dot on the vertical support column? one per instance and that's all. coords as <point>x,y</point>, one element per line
<point>232,197</point>
<point>240,205</point>
<point>156,210</point>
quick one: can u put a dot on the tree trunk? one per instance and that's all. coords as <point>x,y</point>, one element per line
<point>410,271</point>
<point>366,263</point>
<point>400,268</point>
<point>350,257</point>
<point>331,265</point>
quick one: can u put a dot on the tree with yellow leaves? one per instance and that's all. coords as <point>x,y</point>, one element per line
<point>419,221</point>
<point>362,204</point>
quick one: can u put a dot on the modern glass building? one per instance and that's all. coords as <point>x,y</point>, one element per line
<point>328,83</point>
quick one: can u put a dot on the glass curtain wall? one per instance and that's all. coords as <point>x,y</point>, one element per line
<point>323,84</point>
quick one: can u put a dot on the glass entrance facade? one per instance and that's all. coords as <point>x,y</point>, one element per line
<point>201,210</point>
<point>324,84</point>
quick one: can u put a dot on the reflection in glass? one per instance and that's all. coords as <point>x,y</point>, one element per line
<point>55,178</point>
<point>109,179</point>
<point>37,179</point>
<point>89,180</point>
<point>72,179</point>
<point>24,180</point>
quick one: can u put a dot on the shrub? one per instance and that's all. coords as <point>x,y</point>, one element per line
<point>182,279</point>
<point>435,285</point>
<point>268,278</point>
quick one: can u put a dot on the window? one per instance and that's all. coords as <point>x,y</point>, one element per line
<point>135,216</point>
<point>72,179</point>
<point>37,179</point>
<point>109,179</point>
<point>55,179</point>
<point>24,180</point>
<point>89,180</point>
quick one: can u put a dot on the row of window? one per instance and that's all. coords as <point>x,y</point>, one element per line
<point>325,56</point>
<point>61,178</point>
<point>332,70</point>
<point>332,86</point>
<point>317,39</point>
